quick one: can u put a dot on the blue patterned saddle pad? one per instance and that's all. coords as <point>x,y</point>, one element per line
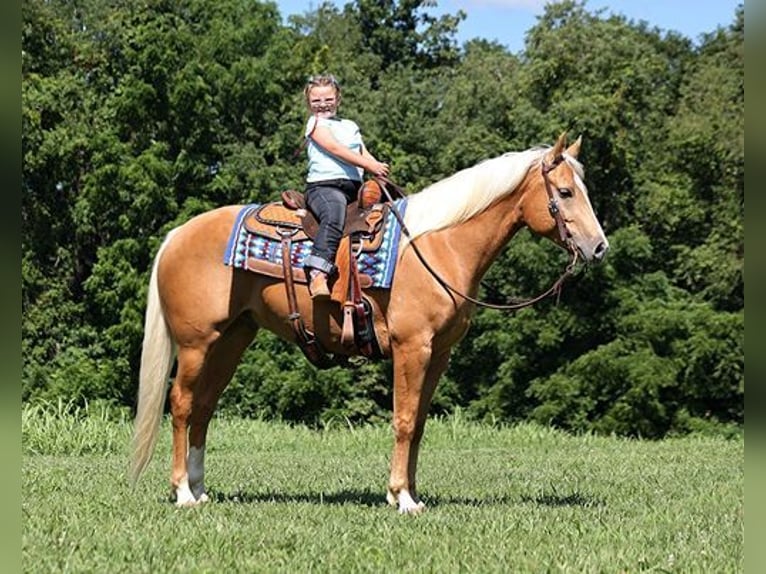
<point>379,265</point>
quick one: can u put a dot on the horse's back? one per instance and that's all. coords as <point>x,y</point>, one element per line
<point>201,240</point>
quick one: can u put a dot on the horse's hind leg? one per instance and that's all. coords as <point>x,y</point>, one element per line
<point>221,363</point>
<point>190,363</point>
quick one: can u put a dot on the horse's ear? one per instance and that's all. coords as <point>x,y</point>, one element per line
<point>558,148</point>
<point>574,149</point>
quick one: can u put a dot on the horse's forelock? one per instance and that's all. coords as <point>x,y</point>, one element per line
<point>575,165</point>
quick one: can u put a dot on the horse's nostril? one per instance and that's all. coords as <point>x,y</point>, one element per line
<point>600,252</point>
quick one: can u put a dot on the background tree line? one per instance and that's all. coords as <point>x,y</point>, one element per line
<point>138,115</point>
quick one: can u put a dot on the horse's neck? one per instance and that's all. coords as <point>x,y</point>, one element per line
<point>476,243</point>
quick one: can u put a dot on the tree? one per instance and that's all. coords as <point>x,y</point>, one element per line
<point>135,117</point>
<point>404,33</point>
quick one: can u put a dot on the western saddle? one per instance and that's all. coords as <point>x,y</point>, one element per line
<point>289,221</point>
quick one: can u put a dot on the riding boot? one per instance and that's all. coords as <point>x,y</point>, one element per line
<point>318,285</point>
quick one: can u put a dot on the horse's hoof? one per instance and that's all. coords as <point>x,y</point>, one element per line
<point>191,501</point>
<point>408,504</point>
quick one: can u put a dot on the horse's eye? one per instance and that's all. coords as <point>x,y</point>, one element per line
<point>565,192</point>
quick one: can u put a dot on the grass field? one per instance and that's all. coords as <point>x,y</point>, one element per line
<point>290,499</point>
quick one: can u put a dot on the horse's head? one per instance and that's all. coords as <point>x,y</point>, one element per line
<point>557,206</point>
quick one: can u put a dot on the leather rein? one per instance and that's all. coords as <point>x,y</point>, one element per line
<point>553,209</point>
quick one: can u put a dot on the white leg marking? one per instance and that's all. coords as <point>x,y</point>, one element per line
<point>184,496</point>
<point>407,504</point>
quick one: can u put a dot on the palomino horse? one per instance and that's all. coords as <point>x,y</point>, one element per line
<point>206,313</point>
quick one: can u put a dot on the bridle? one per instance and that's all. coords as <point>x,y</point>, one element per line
<point>553,204</point>
<point>553,209</point>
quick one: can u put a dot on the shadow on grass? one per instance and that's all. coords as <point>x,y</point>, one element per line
<point>360,497</point>
<point>375,498</point>
<point>573,499</point>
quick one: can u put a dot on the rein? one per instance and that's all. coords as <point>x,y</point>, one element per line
<point>555,212</point>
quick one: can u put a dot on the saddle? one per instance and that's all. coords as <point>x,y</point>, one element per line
<point>289,221</point>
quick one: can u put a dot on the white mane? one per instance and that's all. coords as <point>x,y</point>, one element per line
<point>467,192</point>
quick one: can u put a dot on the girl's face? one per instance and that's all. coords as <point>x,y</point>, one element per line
<point>323,101</point>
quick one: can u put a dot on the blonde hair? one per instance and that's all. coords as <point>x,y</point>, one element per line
<point>321,80</point>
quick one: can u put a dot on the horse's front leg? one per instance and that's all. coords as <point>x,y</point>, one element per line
<point>434,372</point>
<point>416,374</point>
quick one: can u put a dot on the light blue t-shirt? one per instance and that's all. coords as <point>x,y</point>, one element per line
<point>323,165</point>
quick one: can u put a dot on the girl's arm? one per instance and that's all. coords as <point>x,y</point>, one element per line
<point>323,137</point>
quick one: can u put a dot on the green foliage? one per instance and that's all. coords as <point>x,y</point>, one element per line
<point>276,381</point>
<point>666,365</point>
<point>400,34</point>
<point>135,118</point>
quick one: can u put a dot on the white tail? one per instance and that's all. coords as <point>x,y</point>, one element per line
<point>156,361</point>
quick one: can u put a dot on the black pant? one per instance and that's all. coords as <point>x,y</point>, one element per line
<point>328,200</point>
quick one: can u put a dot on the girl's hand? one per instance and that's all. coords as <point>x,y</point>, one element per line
<point>378,168</point>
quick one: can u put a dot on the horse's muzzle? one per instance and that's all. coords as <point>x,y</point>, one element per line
<point>591,251</point>
<point>596,254</point>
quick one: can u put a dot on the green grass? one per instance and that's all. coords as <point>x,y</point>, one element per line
<point>287,499</point>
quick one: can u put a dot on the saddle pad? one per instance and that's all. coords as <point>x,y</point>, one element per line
<point>379,265</point>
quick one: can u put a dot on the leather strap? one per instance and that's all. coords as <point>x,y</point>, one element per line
<point>305,338</point>
<point>357,327</point>
<point>555,289</point>
<point>347,332</point>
